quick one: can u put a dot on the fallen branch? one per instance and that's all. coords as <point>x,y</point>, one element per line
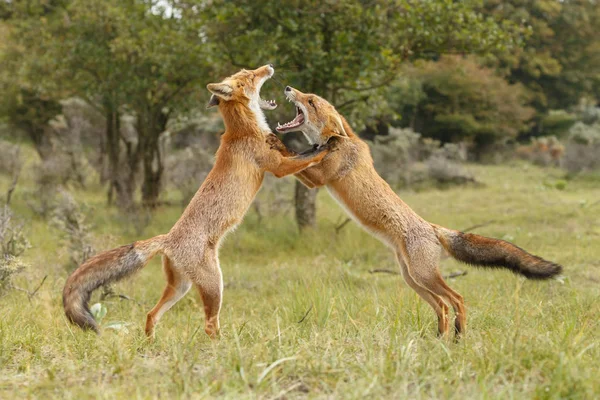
<point>342,225</point>
<point>456,274</point>
<point>108,292</point>
<point>120,296</point>
<point>392,272</point>
<point>471,228</point>
<point>384,271</point>
<point>30,295</point>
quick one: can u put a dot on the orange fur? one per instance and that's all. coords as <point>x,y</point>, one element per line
<point>190,249</point>
<point>350,177</point>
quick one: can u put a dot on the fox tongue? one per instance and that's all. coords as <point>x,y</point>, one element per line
<point>299,120</point>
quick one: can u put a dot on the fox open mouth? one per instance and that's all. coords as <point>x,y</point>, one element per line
<point>267,104</point>
<point>293,124</point>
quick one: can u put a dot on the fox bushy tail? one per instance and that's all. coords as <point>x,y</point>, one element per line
<point>106,267</point>
<point>495,253</point>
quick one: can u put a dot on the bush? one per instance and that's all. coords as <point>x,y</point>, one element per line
<point>465,101</point>
<point>10,158</point>
<point>12,245</point>
<point>583,148</point>
<point>544,151</point>
<point>187,169</point>
<point>69,218</point>
<point>276,197</point>
<point>404,158</point>
<point>11,164</point>
<point>49,176</point>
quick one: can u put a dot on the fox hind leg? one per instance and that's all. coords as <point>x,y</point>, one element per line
<point>209,283</point>
<point>177,287</point>
<point>423,267</point>
<point>435,301</point>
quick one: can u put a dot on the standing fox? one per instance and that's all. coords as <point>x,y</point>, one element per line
<point>351,179</point>
<point>190,249</point>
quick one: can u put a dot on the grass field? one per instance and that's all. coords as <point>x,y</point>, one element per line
<point>303,317</point>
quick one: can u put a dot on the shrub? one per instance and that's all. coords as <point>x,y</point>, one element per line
<point>48,176</point>
<point>544,151</point>
<point>275,197</point>
<point>11,164</point>
<point>583,148</point>
<point>404,158</point>
<point>187,169</point>
<point>12,245</point>
<point>70,219</point>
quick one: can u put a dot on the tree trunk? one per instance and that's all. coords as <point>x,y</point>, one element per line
<point>122,172</point>
<point>306,208</point>
<point>151,123</point>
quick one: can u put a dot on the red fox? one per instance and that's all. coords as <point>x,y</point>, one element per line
<point>190,249</point>
<point>351,179</point>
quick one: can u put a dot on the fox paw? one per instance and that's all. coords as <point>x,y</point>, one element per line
<point>275,143</point>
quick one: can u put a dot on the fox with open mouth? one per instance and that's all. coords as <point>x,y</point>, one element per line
<point>190,249</point>
<point>351,179</point>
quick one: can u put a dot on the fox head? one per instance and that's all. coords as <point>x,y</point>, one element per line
<point>243,89</point>
<point>315,117</point>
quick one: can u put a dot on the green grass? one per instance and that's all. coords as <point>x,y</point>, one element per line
<point>365,335</point>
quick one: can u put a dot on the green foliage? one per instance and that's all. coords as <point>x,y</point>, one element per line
<point>583,148</point>
<point>69,218</point>
<point>349,51</point>
<point>13,244</point>
<point>465,101</point>
<point>557,122</point>
<point>560,62</point>
<point>405,158</point>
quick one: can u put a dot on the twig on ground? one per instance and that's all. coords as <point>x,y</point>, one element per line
<point>30,295</point>
<point>384,271</point>
<point>392,272</point>
<point>456,274</point>
<point>120,296</point>
<point>306,314</point>
<point>471,228</point>
<point>12,188</point>
<point>342,225</point>
<point>38,287</point>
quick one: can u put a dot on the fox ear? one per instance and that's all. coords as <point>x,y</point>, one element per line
<point>339,127</point>
<point>221,90</point>
<point>214,101</point>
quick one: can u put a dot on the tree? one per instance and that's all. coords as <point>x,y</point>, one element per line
<point>129,56</point>
<point>560,62</point>
<point>347,50</point>
<point>464,101</point>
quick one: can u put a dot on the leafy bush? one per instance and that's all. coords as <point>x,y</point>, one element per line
<point>12,245</point>
<point>544,151</point>
<point>48,175</point>
<point>11,164</point>
<point>70,219</point>
<point>583,148</point>
<point>404,158</point>
<point>465,101</point>
<point>187,169</point>
<point>10,158</point>
<point>557,122</point>
<point>275,197</point>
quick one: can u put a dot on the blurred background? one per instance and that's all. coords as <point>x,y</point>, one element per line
<point>109,96</point>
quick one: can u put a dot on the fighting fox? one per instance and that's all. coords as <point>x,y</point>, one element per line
<point>190,249</point>
<point>351,179</point>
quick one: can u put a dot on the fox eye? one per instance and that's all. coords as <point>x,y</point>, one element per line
<point>312,104</point>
